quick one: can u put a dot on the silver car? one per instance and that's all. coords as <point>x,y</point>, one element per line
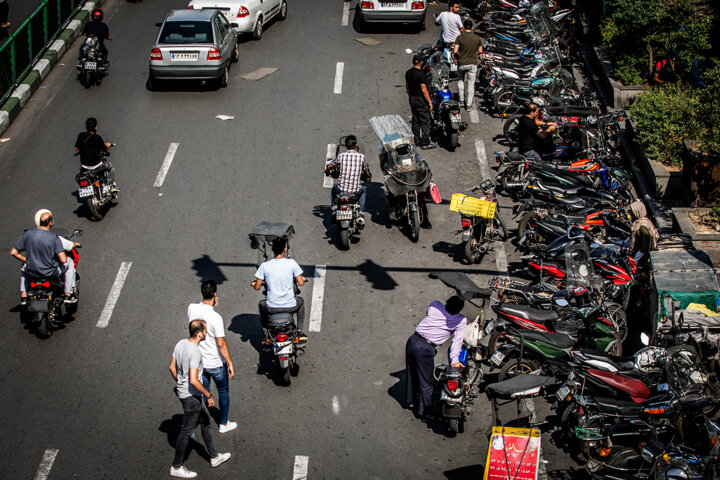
<point>398,11</point>
<point>194,45</point>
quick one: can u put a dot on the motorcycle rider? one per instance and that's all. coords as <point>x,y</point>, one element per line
<point>98,29</point>
<point>352,168</point>
<point>530,132</point>
<point>279,275</point>
<point>44,257</point>
<point>91,146</point>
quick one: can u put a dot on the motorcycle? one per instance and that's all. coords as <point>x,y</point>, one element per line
<point>46,298</point>
<point>281,337</point>
<point>97,189</point>
<point>481,222</point>
<point>92,67</point>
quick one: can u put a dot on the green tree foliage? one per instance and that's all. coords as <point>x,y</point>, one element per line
<point>635,28</point>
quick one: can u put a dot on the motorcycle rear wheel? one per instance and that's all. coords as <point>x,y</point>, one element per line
<point>510,129</point>
<point>43,325</point>
<point>453,140</point>
<point>414,224</point>
<point>472,253</point>
<point>619,318</point>
<point>285,376</point>
<point>522,224</point>
<point>344,235</point>
<point>454,426</point>
<point>513,368</point>
<point>503,103</point>
<point>96,211</point>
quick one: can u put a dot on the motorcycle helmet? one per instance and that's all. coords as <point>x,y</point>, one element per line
<point>39,214</point>
<point>97,14</point>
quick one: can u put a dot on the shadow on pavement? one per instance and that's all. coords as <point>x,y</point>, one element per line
<point>377,276</point>
<point>471,472</point>
<point>452,250</point>
<point>207,269</point>
<point>171,427</point>
<point>247,325</point>
<point>397,391</point>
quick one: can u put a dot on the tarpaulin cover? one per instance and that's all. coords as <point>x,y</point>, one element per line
<point>269,231</point>
<point>686,276</point>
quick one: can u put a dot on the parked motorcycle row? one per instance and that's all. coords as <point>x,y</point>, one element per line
<point>649,415</point>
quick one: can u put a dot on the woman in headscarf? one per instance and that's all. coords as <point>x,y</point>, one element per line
<point>644,235</point>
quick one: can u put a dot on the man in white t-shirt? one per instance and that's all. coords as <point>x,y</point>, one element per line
<point>279,275</point>
<point>186,368</point>
<point>451,23</point>
<point>215,354</point>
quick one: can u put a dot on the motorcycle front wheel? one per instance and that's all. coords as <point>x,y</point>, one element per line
<point>87,79</point>
<point>499,226</point>
<point>514,367</point>
<point>414,225</point>
<point>96,211</point>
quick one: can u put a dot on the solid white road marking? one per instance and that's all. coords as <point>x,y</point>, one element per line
<point>300,468</point>
<point>501,259</point>
<point>474,118</point>
<point>335,405</point>
<point>482,159</point>
<point>46,464</point>
<point>346,14</point>
<point>338,77</point>
<point>166,165</point>
<point>317,298</point>
<point>114,295</point>
<point>328,181</point>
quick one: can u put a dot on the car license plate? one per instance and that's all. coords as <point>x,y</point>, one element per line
<point>497,358</point>
<point>90,65</point>
<point>86,191</point>
<point>392,5</point>
<point>562,392</point>
<point>343,215</point>
<point>184,56</point>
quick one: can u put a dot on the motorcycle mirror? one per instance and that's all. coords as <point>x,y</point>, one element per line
<point>78,233</point>
<point>645,339</point>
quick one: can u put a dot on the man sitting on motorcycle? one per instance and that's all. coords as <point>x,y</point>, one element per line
<point>98,29</point>
<point>279,276</point>
<point>91,147</point>
<point>351,168</point>
<point>44,257</point>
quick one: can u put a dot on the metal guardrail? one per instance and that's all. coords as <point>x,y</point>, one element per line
<point>29,42</point>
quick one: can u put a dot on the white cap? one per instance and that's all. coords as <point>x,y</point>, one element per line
<point>39,214</point>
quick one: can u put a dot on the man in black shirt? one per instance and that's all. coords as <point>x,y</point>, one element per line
<point>529,132</point>
<point>420,103</point>
<point>99,29</point>
<point>91,146</point>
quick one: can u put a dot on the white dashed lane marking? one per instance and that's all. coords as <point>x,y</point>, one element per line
<point>501,259</point>
<point>482,159</point>
<point>474,118</point>
<point>114,295</point>
<point>328,181</point>
<point>46,464</point>
<point>318,293</point>
<point>335,405</point>
<point>300,468</point>
<point>338,78</point>
<point>346,14</point>
<point>166,165</point>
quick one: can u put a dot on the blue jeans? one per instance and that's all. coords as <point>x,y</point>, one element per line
<point>361,199</point>
<point>220,376</point>
<point>532,155</point>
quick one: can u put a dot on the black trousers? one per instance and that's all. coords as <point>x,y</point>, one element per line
<point>419,365</point>
<point>421,120</point>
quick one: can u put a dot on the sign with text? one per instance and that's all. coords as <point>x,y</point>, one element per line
<point>513,453</point>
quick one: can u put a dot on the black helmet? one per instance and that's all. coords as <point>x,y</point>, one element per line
<point>97,14</point>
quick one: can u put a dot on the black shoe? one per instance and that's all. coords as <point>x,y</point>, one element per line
<point>429,146</point>
<point>426,225</point>
<point>23,301</point>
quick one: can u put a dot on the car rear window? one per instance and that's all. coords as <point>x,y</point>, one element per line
<point>186,32</point>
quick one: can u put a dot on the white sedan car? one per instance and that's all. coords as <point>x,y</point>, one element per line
<point>250,15</point>
<point>398,11</point>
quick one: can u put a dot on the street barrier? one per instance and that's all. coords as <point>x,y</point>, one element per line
<point>30,41</point>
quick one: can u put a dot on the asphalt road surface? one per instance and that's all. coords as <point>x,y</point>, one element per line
<point>97,402</point>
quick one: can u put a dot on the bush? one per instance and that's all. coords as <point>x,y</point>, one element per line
<point>635,28</point>
<point>664,117</point>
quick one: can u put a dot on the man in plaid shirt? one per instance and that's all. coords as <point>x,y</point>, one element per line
<point>353,169</point>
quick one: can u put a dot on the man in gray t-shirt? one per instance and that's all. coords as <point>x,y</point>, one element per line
<point>186,368</point>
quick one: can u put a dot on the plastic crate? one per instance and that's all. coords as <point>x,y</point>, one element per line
<point>472,206</point>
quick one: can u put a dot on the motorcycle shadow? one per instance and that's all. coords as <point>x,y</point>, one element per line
<point>82,211</point>
<point>453,250</point>
<point>26,319</point>
<point>247,325</point>
<point>469,472</point>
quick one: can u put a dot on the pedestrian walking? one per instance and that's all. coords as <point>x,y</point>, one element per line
<point>217,363</point>
<point>468,46</point>
<point>421,107</point>
<point>186,368</point>
<point>451,23</point>
<point>440,322</point>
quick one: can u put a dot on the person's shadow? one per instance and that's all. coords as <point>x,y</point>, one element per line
<point>171,427</point>
<point>397,391</point>
<point>247,325</point>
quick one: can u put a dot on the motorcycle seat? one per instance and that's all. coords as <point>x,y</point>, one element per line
<point>633,387</point>
<point>568,200</point>
<point>559,340</point>
<point>553,187</point>
<point>528,313</point>
<point>621,363</point>
<point>516,156</point>
<point>279,319</point>
<point>347,197</point>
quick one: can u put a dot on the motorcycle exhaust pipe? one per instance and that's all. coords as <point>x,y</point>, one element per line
<point>483,248</point>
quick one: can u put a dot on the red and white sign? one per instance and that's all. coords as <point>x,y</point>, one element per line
<point>513,453</point>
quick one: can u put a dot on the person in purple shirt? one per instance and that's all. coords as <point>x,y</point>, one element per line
<point>440,322</point>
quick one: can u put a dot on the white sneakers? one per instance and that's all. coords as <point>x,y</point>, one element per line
<point>182,472</point>
<point>221,458</point>
<point>227,427</point>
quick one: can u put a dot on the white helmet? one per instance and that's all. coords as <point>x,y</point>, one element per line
<point>39,214</point>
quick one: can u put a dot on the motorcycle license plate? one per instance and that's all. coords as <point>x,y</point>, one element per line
<point>453,67</point>
<point>593,465</point>
<point>562,392</point>
<point>90,65</point>
<point>86,191</point>
<point>497,358</point>
<point>285,347</point>
<point>343,215</point>
<point>456,117</point>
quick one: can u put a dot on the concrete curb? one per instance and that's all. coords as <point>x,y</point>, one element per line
<point>32,81</point>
